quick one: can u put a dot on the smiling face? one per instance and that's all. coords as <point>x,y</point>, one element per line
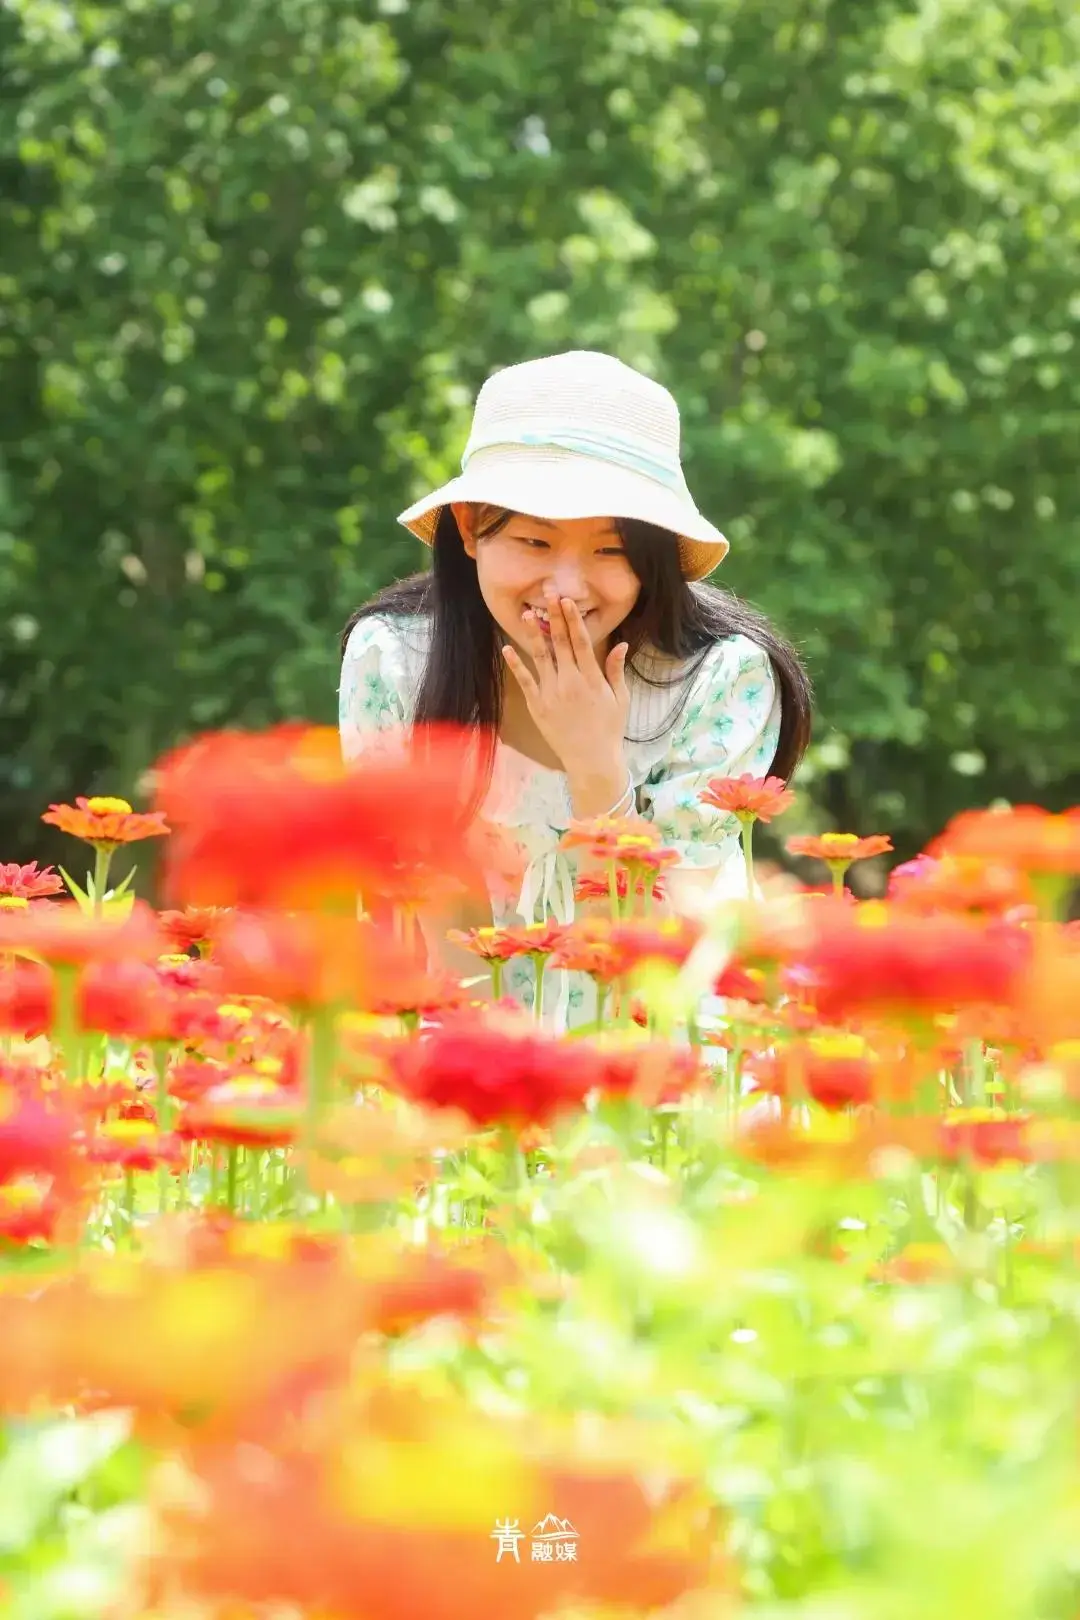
<point>523,562</point>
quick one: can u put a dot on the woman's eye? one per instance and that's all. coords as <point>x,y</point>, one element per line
<point>529,540</point>
<point>613,551</point>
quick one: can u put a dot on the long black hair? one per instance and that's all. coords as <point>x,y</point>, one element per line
<point>462,680</point>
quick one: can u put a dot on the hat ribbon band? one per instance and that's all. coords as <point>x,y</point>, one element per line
<point>597,445</point>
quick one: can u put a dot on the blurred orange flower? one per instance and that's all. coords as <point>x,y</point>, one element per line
<point>277,819</point>
<point>1026,836</point>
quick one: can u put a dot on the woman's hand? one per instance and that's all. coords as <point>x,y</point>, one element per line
<point>580,707</point>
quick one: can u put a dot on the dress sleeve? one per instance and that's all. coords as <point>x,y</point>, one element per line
<point>377,684</point>
<point>729,727</point>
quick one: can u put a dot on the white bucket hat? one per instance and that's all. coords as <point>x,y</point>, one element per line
<point>578,435</point>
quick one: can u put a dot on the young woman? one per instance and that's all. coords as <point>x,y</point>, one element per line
<point>563,619</point>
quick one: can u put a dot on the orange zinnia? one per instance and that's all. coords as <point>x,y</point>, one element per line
<point>105,823</point>
<point>751,798</point>
<point>1027,837</point>
<point>838,850</point>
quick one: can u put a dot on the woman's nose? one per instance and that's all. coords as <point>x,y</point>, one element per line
<point>568,580</point>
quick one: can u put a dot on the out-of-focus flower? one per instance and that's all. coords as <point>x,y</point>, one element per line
<point>29,882</point>
<point>495,1075</point>
<point>277,819</point>
<point>489,944</point>
<point>597,886</point>
<point>244,1110</point>
<point>650,1072</point>
<point>750,798</point>
<point>834,1068</point>
<point>307,960</point>
<point>376,1535</point>
<point>26,998</point>
<point>736,983</point>
<point>376,1152</point>
<point>959,883</point>
<point>135,1144</point>
<point>873,959</point>
<point>195,927</point>
<point>629,842</point>
<point>105,823</point>
<point>1027,837</point>
<point>67,936</point>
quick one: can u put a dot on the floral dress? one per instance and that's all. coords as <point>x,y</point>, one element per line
<point>727,724</point>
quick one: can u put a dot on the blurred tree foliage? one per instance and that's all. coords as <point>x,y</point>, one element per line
<point>257,258</point>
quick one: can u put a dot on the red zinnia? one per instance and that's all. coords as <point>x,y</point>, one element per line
<point>496,1075</point>
<point>873,959</point>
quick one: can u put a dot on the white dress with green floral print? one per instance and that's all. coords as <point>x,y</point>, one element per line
<point>728,725</point>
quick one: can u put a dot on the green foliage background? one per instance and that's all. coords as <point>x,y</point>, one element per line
<point>256,260</point>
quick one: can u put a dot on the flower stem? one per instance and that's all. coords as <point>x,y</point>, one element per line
<point>231,1179</point>
<point>164,1113</point>
<point>496,978</point>
<point>538,1004</point>
<point>746,834</point>
<point>65,1033</point>
<point>129,1201</point>
<point>102,861</point>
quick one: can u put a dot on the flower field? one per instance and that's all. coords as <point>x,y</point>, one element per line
<point>338,1288</point>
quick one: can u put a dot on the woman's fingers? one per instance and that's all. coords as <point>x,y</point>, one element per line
<point>562,648</point>
<point>615,670</point>
<point>583,650</point>
<point>522,675</point>
<point>536,643</point>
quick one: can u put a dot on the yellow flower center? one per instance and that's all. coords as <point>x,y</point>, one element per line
<point>14,902</point>
<point>129,1130</point>
<point>109,807</point>
<point>872,914</point>
<point>229,1009</point>
<point>841,842</point>
<point>838,1044</point>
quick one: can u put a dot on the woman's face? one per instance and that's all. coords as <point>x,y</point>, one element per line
<point>531,561</point>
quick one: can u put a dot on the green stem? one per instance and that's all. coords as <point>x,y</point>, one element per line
<point>102,862</point>
<point>230,1179</point>
<point>746,834</point>
<point>538,1005</point>
<point>129,1200</point>
<point>838,868</point>
<point>496,979</point>
<point>65,1032</point>
<point>164,1115</point>
<point>322,1068</point>
<point>322,1064</point>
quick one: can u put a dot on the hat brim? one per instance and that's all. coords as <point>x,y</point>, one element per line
<point>560,485</point>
